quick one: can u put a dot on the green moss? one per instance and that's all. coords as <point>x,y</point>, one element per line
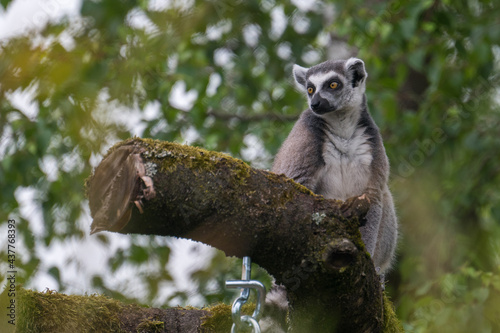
<point>50,311</point>
<point>391,322</point>
<point>219,320</point>
<point>279,179</point>
<point>169,155</point>
<point>150,326</point>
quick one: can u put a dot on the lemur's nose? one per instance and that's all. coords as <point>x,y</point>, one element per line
<point>315,105</point>
<point>315,102</point>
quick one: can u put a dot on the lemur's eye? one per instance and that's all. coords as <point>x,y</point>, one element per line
<point>310,90</point>
<point>334,85</point>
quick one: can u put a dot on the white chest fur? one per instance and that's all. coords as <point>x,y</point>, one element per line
<point>347,166</point>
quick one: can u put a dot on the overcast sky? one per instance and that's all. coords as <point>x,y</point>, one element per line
<point>25,15</point>
<point>78,260</point>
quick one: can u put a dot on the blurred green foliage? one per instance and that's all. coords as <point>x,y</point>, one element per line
<point>433,90</point>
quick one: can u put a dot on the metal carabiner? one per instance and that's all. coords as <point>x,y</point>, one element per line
<point>250,320</point>
<point>246,284</point>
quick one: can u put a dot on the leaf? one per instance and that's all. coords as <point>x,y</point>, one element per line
<point>54,272</point>
<point>5,4</point>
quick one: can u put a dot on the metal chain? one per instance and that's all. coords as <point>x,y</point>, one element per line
<point>242,321</point>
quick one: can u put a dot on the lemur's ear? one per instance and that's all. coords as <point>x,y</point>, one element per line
<point>356,72</point>
<point>299,73</point>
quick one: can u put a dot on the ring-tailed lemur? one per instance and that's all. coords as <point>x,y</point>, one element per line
<point>335,149</point>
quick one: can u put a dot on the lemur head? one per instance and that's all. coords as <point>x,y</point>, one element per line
<point>333,85</point>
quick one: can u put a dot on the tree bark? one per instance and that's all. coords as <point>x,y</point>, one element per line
<point>309,244</point>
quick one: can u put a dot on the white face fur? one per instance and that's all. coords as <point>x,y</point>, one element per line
<point>333,86</point>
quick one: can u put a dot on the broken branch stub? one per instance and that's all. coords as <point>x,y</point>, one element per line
<point>305,241</point>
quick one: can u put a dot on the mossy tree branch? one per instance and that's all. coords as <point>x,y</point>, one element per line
<point>309,244</point>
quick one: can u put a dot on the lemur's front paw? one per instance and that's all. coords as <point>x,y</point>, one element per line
<point>354,206</point>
